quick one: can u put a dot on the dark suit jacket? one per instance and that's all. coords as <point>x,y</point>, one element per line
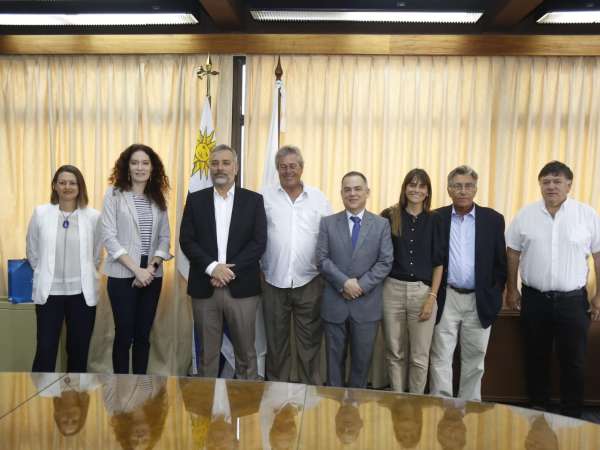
<point>490,262</point>
<point>246,243</point>
<point>198,396</point>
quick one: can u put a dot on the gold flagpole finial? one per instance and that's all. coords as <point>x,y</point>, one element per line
<point>206,71</point>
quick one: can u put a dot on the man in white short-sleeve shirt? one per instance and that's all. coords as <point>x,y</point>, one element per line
<point>551,240</point>
<point>293,287</point>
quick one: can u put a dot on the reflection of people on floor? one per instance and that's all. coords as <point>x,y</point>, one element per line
<point>215,406</point>
<point>348,423</point>
<point>407,416</point>
<point>70,398</point>
<point>280,411</point>
<point>543,426</point>
<point>451,430</point>
<point>137,406</point>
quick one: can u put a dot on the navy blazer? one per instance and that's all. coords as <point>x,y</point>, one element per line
<point>245,245</point>
<point>490,262</point>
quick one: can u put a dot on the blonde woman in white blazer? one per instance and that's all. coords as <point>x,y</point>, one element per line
<point>136,235</point>
<point>63,248</point>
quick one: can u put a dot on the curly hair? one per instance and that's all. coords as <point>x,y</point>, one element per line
<point>155,414</point>
<point>158,184</point>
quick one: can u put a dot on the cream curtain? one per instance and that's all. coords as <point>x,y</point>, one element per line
<point>504,116</point>
<point>84,110</point>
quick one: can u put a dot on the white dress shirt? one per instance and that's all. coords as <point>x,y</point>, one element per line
<point>461,257</point>
<point>223,210</point>
<point>292,229</point>
<point>554,251</point>
<point>350,223</point>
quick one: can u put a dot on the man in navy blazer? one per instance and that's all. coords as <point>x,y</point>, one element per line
<point>224,234</point>
<point>354,255</point>
<point>470,294</point>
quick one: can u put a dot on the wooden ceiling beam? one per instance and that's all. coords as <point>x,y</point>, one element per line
<point>514,11</point>
<point>314,44</point>
<point>226,14</point>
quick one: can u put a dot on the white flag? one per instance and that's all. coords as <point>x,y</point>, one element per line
<point>200,178</point>
<point>270,176</point>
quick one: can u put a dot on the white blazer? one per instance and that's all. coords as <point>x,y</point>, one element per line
<point>41,251</point>
<point>121,233</point>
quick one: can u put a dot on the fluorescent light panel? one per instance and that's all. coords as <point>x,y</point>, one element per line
<point>567,17</point>
<point>365,16</point>
<point>98,19</point>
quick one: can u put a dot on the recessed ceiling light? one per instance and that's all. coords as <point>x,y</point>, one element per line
<point>567,17</point>
<point>365,16</point>
<point>98,19</point>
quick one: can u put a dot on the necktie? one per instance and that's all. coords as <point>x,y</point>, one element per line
<point>355,230</point>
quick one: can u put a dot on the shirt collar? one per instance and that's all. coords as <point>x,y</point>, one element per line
<point>470,213</point>
<point>304,189</point>
<point>360,214</point>
<point>230,193</point>
<point>563,206</point>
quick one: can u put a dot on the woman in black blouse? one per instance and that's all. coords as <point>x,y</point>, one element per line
<point>410,291</point>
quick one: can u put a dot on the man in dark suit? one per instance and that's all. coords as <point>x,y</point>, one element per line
<point>354,255</point>
<point>224,234</point>
<point>470,295</point>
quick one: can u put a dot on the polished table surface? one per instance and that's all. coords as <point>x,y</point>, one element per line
<point>89,411</point>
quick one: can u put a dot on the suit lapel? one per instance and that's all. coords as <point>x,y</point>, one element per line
<point>236,217</point>
<point>131,206</point>
<point>479,233</point>
<point>365,226</point>
<point>210,210</point>
<point>344,235</point>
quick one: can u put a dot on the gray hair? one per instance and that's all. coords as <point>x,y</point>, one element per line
<point>222,148</point>
<point>462,170</point>
<point>288,150</point>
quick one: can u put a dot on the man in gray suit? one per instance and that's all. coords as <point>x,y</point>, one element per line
<point>354,254</point>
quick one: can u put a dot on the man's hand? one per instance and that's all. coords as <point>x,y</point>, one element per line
<point>352,289</point>
<point>513,299</point>
<point>223,274</point>
<point>216,283</point>
<point>595,307</point>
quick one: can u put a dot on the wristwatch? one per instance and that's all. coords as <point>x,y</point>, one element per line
<point>155,265</point>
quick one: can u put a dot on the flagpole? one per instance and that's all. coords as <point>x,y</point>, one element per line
<point>278,75</point>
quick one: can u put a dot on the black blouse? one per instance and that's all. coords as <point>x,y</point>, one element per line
<point>419,248</point>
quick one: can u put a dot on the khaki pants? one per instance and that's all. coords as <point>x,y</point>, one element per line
<point>407,339</point>
<point>240,314</point>
<point>460,313</point>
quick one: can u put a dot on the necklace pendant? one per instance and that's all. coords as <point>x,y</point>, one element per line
<point>65,223</point>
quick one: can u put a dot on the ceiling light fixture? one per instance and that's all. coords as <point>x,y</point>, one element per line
<point>97,19</point>
<point>365,16</point>
<point>570,17</point>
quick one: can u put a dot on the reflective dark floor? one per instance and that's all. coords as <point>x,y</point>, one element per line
<point>72,411</point>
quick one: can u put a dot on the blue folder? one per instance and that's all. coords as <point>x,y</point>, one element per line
<point>20,281</point>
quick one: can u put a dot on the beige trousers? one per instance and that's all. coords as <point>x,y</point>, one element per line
<point>407,339</point>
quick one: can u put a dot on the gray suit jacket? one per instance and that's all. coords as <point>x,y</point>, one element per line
<point>370,262</point>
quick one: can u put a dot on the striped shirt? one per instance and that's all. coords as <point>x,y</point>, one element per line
<point>144,214</point>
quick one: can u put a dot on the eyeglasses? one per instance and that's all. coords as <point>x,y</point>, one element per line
<point>463,187</point>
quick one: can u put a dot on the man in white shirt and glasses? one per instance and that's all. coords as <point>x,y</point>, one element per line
<point>292,289</point>
<point>550,241</point>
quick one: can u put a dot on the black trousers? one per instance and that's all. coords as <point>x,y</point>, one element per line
<point>133,312</point>
<point>79,318</point>
<point>562,322</point>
